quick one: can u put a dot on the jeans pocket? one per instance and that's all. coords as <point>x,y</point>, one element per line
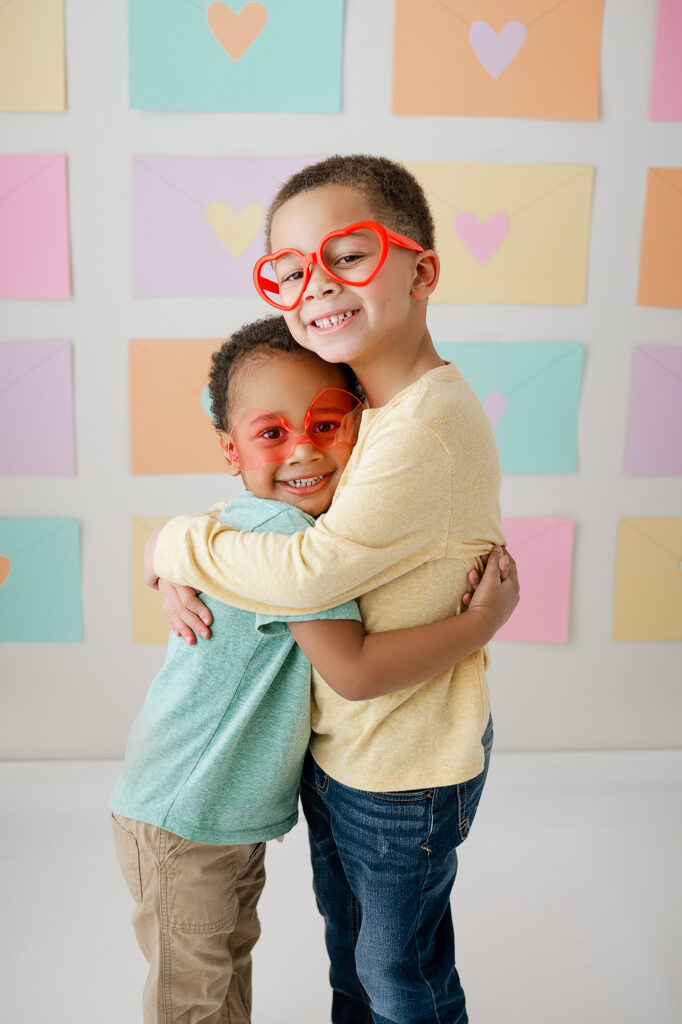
<point>321,781</point>
<point>128,856</point>
<point>468,799</point>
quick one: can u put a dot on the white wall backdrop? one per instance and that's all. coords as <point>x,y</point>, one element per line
<point>68,700</point>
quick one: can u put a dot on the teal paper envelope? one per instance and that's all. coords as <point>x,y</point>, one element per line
<point>275,55</point>
<point>40,581</point>
<point>531,393</point>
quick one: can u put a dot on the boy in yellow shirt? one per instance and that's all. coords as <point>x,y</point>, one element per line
<point>392,784</point>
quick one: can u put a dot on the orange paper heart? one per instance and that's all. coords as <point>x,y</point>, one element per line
<point>5,568</point>
<point>236,32</point>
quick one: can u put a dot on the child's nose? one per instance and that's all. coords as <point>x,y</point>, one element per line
<point>304,450</point>
<point>320,284</point>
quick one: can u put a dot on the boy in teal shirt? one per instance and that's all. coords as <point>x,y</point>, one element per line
<point>214,758</point>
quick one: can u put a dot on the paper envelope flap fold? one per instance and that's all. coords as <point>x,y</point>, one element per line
<point>530,529</point>
<point>571,351</point>
<point>672,178</point>
<point>163,178</point>
<point>493,187</point>
<point>22,359</point>
<point>19,535</point>
<point>18,171</point>
<point>183,359</point>
<point>505,371</point>
<point>666,358</point>
<point>193,177</point>
<point>665,533</point>
<point>497,14</point>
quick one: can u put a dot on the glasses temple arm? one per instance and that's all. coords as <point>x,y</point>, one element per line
<point>266,285</point>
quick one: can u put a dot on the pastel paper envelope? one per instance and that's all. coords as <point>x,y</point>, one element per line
<point>40,581</point>
<point>666,87</point>
<point>273,55</point>
<point>648,595</point>
<point>530,58</point>
<point>543,549</point>
<point>660,265</point>
<point>34,227</point>
<point>170,428</point>
<point>654,446</point>
<point>531,393</point>
<point>36,375</point>
<point>150,625</point>
<point>32,55</point>
<point>198,222</point>
<point>512,233</point>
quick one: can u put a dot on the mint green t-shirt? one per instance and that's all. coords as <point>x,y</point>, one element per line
<point>215,754</point>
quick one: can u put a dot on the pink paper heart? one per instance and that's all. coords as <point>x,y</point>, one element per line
<point>495,407</point>
<point>482,240</point>
<point>5,568</point>
<point>496,50</point>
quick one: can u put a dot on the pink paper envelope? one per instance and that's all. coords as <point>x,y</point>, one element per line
<point>198,222</point>
<point>654,445</point>
<point>34,228</point>
<point>666,86</point>
<point>543,549</point>
<point>36,409</point>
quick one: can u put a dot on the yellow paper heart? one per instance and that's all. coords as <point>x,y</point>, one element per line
<point>236,32</point>
<point>5,568</point>
<point>235,230</point>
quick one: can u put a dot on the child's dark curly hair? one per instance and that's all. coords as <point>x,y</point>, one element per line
<point>395,196</point>
<point>270,334</point>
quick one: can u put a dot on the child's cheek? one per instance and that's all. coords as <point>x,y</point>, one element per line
<point>295,326</point>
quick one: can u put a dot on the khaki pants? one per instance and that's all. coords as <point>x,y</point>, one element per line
<point>195,921</point>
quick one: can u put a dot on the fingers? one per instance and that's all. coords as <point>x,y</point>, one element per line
<point>180,628</point>
<point>185,623</point>
<point>466,599</point>
<point>474,578</point>
<point>187,615</point>
<point>493,562</point>
<point>193,603</point>
<point>512,571</point>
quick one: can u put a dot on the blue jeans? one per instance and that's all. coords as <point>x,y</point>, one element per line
<point>383,869</point>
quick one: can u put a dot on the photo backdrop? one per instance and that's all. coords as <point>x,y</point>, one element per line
<point>128,223</point>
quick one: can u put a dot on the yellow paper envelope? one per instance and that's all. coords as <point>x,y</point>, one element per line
<point>530,58</point>
<point>660,266</point>
<point>648,597</point>
<point>512,233</point>
<point>150,625</point>
<point>171,430</point>
<point>32,55</point>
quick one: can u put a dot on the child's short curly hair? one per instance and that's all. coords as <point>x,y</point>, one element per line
<point>395,196</point>
<point>270,334</point>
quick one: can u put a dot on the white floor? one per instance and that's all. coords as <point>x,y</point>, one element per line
<point>567,904</point>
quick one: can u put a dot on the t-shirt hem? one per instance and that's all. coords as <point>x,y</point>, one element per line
<point>227,837</point>
<point>426,778</point>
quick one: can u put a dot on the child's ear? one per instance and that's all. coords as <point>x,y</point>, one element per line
<point>230,453</point>
<point>426,274</point>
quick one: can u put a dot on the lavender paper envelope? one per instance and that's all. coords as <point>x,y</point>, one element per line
<point>36,409</point>
<point>654,446</point>
<point>198,222</point>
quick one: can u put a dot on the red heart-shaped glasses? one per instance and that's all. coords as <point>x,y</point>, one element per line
<point>352,255</point>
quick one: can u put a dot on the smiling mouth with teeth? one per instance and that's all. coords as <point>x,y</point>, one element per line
<point>331,321</point>
<point>307,481</point>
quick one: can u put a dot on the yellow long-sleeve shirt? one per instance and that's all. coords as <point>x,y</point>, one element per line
<point>416,507</point>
